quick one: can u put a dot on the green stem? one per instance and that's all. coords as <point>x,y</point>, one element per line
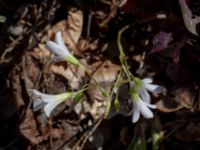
<point>122,56</point>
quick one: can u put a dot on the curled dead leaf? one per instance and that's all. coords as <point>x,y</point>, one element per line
<point>168,105</point>
<point>73,74</point>
<point>183,98</point>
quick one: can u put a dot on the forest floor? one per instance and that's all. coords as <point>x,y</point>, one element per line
<point>156,45</point>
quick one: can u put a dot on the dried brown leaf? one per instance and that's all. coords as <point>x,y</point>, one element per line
<point>168,105</point>
<point>41,52</point>
<point>73,74</point>
<point>105,74</point>
<point>57,132</point>
<point>16,87</point>
<point>28,128</point>
<point>84,45</point>
<point>185,97</point>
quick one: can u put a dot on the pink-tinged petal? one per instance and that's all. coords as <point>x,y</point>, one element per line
<point>53,47</point>
<point>59,40</point>
<point>147,80</point>
<point>144,95</point>
<point>136,112</point>
<point>145,111</point>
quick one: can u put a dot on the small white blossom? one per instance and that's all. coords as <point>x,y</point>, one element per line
<point>189,19</point>
<point>145,85</point>
<point>141,107</point>
<point>51,101</point>
<point>58,47</point>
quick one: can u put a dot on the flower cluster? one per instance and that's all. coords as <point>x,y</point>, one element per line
<point>139,88</point>
<point>52,101</point>
<point>141,98</point>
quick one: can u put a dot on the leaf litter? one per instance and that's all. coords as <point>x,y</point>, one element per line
<point>161,48</point>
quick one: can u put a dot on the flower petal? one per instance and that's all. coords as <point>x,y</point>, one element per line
<point>54,101</point>
<point>48,108</point>
<point>136,112</point>
<point>151,87</point>
<point>147,80</point>
<point>152,106</point>
<point>189,21</point>
<point>53,47</point>
<point>45,97</point>
<point>145,111</point>
<point>144,95</point>
<point>38,104</point>
<point>59,41</point>
<point>58,59</point>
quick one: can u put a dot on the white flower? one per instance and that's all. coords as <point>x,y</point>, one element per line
<point>141,107</point>
<point>145,85</point>
<point>58,47</point>
<point>189,19</point>
<point>52,101</point>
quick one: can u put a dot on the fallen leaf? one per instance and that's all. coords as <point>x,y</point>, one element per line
<point>41,52</point>
<point>105,74</point>
<point>161,41</point>
<point>28,128</point>
<point>57,132</point>
<point>72,73</point>
<point>168,105</point>
<point>84,45</point>
<point>185,97</point>
<point>17,88</point>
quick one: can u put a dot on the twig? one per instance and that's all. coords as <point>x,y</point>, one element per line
<point>86,135</point>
